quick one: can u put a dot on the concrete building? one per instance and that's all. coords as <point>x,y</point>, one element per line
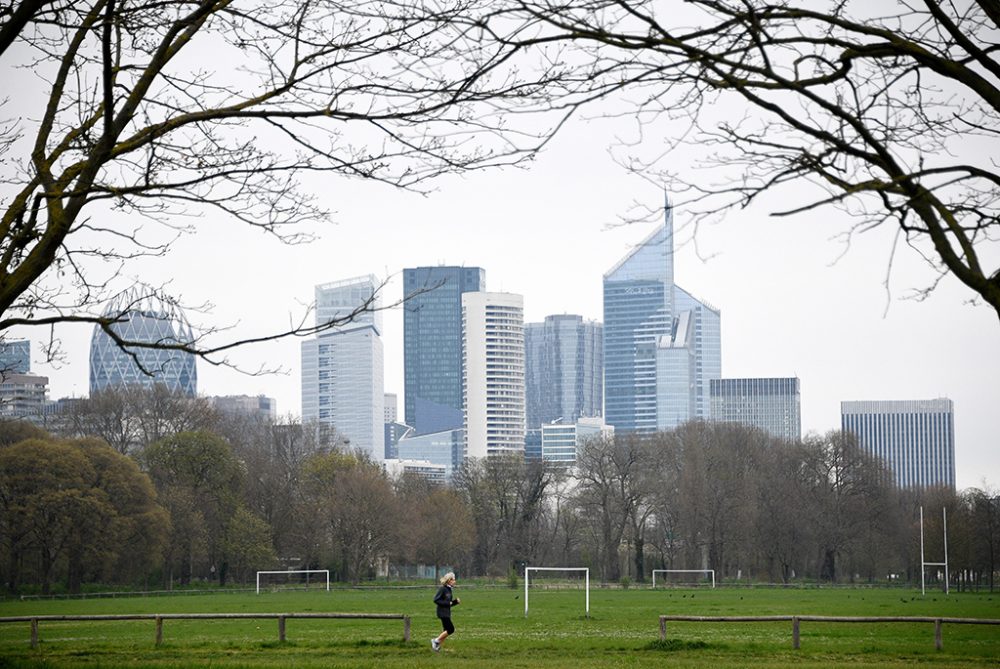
<point>493,373</point>
<point>23,395</point>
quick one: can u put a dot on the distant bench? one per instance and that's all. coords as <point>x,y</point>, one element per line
<point>795,620</point>
<point>160,617</point>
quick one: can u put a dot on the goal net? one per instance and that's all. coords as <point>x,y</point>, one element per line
<point>571,578</point>
<point>684,577</point>
<point>293,579</point>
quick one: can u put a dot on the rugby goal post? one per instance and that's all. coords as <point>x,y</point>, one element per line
<point>710,572</point>
<point>287,572</point>
<point>527,578</point>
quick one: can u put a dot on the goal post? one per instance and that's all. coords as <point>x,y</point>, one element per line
<point>287,572</point>
<point>527,579</point>
<point>710,572</point>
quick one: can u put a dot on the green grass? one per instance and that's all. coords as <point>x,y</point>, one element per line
<point>493,633</point>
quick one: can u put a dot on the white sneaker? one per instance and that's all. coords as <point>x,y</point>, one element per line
<point>435,645</point>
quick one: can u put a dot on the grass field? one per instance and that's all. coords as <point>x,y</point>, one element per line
<point>622,630</point>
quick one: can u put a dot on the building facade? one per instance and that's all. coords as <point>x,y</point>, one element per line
<point>143,319</point>
<point>915,438</point>
<point>662,346</point>
<point>258,406</point>
<point>564,369</point>
<point>771,404</point>
<point>493,373</point>
<point>15,357</point>
<point>342,368</point>
<point>22,395</point>
<point>432,344</point>
<point>562,441</point>
<point>442,449</point>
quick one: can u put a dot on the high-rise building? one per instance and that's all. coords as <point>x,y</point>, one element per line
<point>662,347</point>
<point>390,408</point>
<point>564,369</point>
<point>432,344</point>
<point>915,438</point>
<point>493,373</point>
<point>443,449</point>
<point>772,405</point>
<point>15,357</point>
<point>342,368</point>
<point>146,319</point>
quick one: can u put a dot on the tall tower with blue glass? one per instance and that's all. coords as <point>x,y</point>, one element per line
<point>662,346</point>
<point>432,344</point>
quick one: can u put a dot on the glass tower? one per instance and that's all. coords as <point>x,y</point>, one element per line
<point>342,369</point>
<point>432,344</point>
<point>915,438</point>
<point>662,346</point>
<point>772,405</point>
<point>564,369</point>
<point>142,319</point>
<point>15,357</point>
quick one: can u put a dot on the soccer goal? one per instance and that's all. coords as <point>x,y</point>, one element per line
<point>288,574</point>
<point>527,580</point>
<point>709,572</point>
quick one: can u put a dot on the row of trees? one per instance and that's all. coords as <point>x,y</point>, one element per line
<point>216,496</point>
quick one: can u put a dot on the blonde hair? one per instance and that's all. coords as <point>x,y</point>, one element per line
<point>450,576</point>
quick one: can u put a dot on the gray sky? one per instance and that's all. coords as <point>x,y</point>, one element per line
<point>550,232</point>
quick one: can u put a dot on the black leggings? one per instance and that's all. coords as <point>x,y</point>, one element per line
<point>448,626</point>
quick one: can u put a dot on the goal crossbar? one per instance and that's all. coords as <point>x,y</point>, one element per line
<point>528,570</point>
<point>710,572</point>
<point>326,572</point>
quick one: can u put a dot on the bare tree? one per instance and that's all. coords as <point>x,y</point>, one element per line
<point>163,111</point>
<point>889,111</point>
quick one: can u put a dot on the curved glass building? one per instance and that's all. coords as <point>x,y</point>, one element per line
<point>142,319</point>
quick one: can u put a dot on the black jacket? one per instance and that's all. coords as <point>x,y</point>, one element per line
<point>444,601</point>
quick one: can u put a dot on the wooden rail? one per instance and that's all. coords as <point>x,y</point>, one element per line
<point>160,617</point>
<point>795,620</point>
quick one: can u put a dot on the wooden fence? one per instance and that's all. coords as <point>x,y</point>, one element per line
<point>796,620</point>
<point>160,617</point>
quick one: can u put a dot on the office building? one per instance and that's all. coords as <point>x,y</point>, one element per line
<point>915,438</point>
<point>562,441</point>
<point>390,408</point>
<point>15,357</point>
<point>432,344</point>
<point>259,406</point>
<point>143,318</point>
<point>564,369</point>
<point>493,373</point>
<point>342,368</point>
<point>662,346</point>
<point>442,449</point>
<point>773,405</point>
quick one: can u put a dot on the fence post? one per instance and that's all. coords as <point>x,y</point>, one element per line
<point>406,628</point>
<point>937,634</point>
<point>795,632</point>
<point>281,628</point>
<point>34,633</point>
<point>663,628</point>
<point>159,630</point>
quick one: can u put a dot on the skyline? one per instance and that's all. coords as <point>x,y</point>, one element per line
<point>550,233</point>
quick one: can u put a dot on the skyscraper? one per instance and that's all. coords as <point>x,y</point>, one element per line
<point>432,344</point>
<point>342,369</point>
<point>916,438</point>
<point>662,346</point>
<point>564,369</point>
<point>493,373</point>
<point>143,318</point>
<point>772,405</point>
